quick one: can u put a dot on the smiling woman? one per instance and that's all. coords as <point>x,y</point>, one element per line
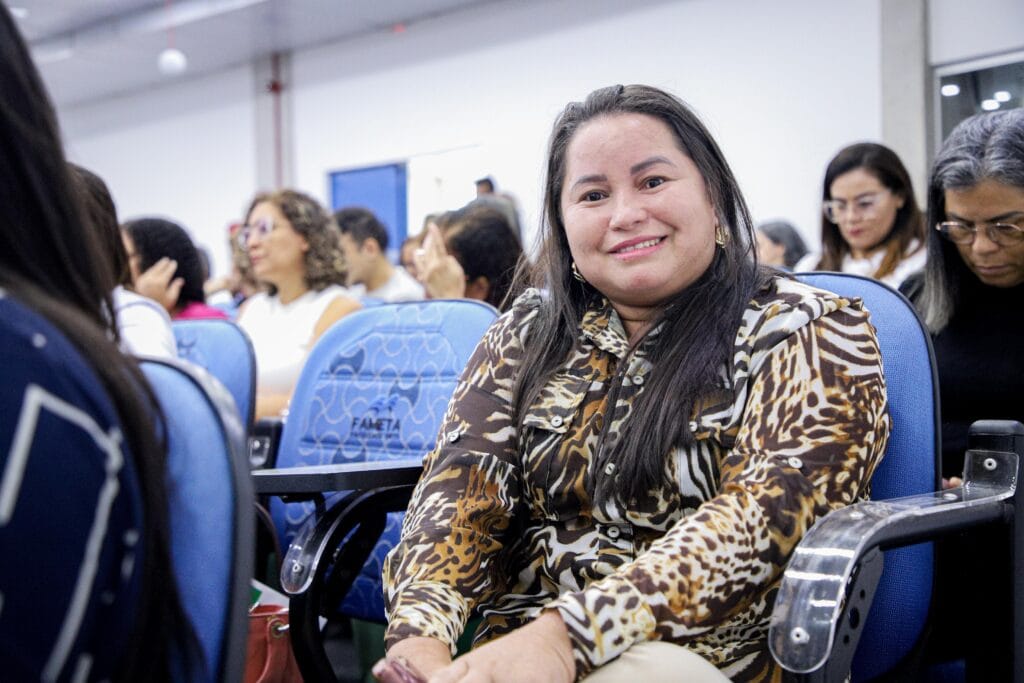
<point>611,477</point>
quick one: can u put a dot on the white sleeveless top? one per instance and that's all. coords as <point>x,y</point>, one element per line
<point>281,334</point>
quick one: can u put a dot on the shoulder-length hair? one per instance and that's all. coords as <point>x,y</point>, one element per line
<point>50,260</point>
<point>983,147</point>
<point>324,262</point>
<point>698,325</point>
<point>907,226</point>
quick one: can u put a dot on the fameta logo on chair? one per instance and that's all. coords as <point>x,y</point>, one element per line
<point>383,418</point>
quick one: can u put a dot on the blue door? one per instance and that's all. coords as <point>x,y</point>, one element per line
<point>381,189</point>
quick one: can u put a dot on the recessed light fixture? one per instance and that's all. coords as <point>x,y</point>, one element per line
<point>1001,96</point>
<point>950,90</point>
<point>989,105</point>
<point>19,12</point>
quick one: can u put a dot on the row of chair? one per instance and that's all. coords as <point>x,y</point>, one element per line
<point>367,408</point>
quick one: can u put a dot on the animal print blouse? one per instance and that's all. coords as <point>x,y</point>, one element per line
<point>504,520</point>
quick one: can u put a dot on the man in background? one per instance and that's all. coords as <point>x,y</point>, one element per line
<point>364,241</point>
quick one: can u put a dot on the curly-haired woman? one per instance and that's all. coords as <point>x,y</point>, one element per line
<point>294,248</point>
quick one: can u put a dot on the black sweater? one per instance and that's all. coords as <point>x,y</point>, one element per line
<point>980,356</point>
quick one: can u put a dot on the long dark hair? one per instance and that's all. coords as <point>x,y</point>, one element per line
<point>94,196</point>
<point>699,324</point>
<point>156,238</point>
<point>907,226</point>
<point>985,146</point>
<point>49,259</point>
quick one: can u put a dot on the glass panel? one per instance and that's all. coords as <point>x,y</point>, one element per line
<point>972,92</point>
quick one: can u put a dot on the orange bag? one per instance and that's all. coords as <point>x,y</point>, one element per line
<point>269,657</point>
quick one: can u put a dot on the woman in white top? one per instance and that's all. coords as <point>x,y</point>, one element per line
<point>871,224</point>
<point>293,244</point>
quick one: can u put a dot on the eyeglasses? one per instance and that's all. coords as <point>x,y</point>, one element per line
<point>1003,234</point>
<point>865,206</point>
<point>261,227</point>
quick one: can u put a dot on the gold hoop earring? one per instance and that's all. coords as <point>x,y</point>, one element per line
<point>576,273</point>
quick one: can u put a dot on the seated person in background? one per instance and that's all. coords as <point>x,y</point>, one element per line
<point>142,324</point>
<point>407,254</point>
<point>971,295</point>
<point>365,243</point>
<point>473,256</point>
<point>871,224</point>
<point>295,251</point>
<point>165,244</point>
<point>73,559</point>
<point>972,289</point>
<point>779,244</point>
<point>630,458</point>
<point>229,291</point>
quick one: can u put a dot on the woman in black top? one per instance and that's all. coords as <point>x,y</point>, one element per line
<point>971,297</point>
<point>973,286</point>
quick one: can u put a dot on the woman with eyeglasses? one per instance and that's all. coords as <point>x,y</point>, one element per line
<point>294,247</point>
<point>970,297</point>
<point>971,291</point>
<point>871,224</point>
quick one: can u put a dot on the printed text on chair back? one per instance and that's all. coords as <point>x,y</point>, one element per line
<point>376,387</point>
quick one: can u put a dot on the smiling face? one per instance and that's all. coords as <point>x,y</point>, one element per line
<point>277,254</point>
<point>990,201</point>
<point>637,215</point>
<point>865,210</point>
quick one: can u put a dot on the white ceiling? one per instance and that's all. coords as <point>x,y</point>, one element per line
<point>94,49</point>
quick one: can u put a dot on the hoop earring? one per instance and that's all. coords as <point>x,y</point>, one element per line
<point>576,273</point>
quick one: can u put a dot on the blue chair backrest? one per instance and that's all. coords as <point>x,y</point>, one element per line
<point>223,349</point>
<point>211,503</point>
<point>910,467</point>
<point>375,388</point>
<point>70,509</point>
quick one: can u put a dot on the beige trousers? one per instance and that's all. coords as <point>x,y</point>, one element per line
<point>656,662</point>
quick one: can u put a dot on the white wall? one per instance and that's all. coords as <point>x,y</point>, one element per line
<point>968,29</point>
<point>185,151</point>
<point>777,83</point>
<point>783,85</point>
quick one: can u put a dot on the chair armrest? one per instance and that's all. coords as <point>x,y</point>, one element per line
<point>264,442</point>
<point>299,482</point>
<point>812,602</point>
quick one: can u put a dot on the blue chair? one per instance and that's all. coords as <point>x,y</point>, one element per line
<point>366,409</point>
<point>70,509</point>
<point>838,612</point>
<point>211,501</point>
<point>223,349</point>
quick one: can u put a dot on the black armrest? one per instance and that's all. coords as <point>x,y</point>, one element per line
<point>308,482</point>
<point>835,568</point>
<point>264,442</point>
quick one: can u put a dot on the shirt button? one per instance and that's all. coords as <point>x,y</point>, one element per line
<point>613,532</point>
<point>556,421</point>
<point>453,436</point>
<point>795,463</point>
<point>609,468</point>
<point>638,379</point>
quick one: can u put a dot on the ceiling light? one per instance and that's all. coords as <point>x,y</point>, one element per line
<point>172,62</point>
<point>19,12</point>
<point>989,105</point>
<point>950,90</point>
<point>1001,96</point>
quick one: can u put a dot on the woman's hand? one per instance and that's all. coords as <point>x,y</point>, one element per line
<point>157,284</point>
<point>440,274</point>
<point>425,655</point>
<point>539,651</point>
